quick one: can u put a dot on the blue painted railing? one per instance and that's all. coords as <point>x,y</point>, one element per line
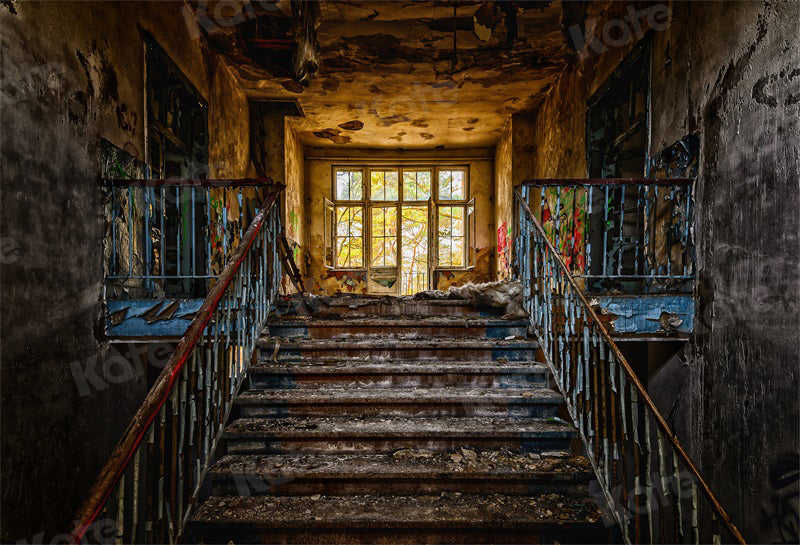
<point>652,489</point>
<point>170,238</point>
<point>150,483</point>
<point>629,235</point>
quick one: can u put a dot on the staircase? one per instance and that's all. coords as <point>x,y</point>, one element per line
<point>395,420</point>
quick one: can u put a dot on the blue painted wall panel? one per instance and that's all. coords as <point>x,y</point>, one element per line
<point>640,313</point>
<point>133,325</point>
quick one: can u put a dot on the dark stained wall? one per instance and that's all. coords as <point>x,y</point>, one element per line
<point>730,72</point>
<point>73,73</point>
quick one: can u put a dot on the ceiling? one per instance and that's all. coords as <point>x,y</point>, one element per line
<point>389,75</point>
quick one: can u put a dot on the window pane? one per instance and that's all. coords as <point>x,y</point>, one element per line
<point>451,236</point>
<point>384,237</point>
<point>416,185</point>
<point>349,240</point>
<point>349,185</point>
<point>383,185</point>
<point>451,185</point>
<point>415,249</point>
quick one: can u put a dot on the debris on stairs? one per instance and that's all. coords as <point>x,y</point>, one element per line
<point>397,420</point>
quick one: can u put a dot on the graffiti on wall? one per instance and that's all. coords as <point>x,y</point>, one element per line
<point>505,244</point>
<point>566,208</point>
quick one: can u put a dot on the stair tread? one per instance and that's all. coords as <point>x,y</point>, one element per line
<point>400,395</point>
<point>408,463</point>
<point>369,511</point>
<point>359,366</point>
<point>440,427</point>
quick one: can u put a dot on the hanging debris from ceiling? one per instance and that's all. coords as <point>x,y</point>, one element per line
<point>305,20</point>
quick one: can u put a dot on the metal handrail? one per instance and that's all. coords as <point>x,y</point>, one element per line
<point>562,318</point>
<point>565,182</point>
<point>189,182</point>
<point>245,289</point>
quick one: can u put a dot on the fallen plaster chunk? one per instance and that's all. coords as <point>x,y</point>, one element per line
<point>503,295</point>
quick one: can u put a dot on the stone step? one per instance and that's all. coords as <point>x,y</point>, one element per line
<point>398,327</point>
<point>403,472</point>
<point>379,519</point>
<point>428,402</point>
<point>350,373</point>
<point>375,435</point>
<point>391,349</point>
<point>344,305</point>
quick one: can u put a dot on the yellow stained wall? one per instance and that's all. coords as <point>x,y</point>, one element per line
<point>318,168</point>
<point>294,212</point>
<point>513,163</point>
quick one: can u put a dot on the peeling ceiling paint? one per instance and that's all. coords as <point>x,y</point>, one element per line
<point>389,76</point>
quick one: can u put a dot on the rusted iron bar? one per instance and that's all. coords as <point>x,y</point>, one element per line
<point>553,298</point>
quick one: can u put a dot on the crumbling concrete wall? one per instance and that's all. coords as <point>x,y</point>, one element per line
<point>318,168</point>
<point>73,73</point>
<point>730,72</point>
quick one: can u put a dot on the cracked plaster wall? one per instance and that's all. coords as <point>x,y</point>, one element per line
<point>73,73</point>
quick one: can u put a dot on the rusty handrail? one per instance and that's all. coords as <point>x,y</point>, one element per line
<point>629,373</point>
<point>562,182</point>
<point>164,386</point>
<point>189,182</point>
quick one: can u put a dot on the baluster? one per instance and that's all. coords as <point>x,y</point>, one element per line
<point>621,232</point>
<point>605,232</point>
<point>162,451</point>
<point>672,217</point>
<point>179,216</point>
<point>150,477</point>
<point>695,516</point>
<point>679,534</point>
<point>146,192</point>
<point>664,498</point>
<point>162,257</point>
<point>210,231</point>
<point>113,265</point>
<point>648,473</point>
<point>687,257</point>
<point>193,252</point>
<point>557,221</point>
<point>119,535</point>
<point>639,235</point>
<point>173,471</point>
<point>655,230</point>
<point>646,221</point>
<point>586,238</point>
<point>182,413</point>
<point>131,206</point>
<point>137,460</point>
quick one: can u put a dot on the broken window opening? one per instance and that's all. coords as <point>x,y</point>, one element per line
<point>618,118</point>
<point>177,136</point>
<point>402,238</point>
